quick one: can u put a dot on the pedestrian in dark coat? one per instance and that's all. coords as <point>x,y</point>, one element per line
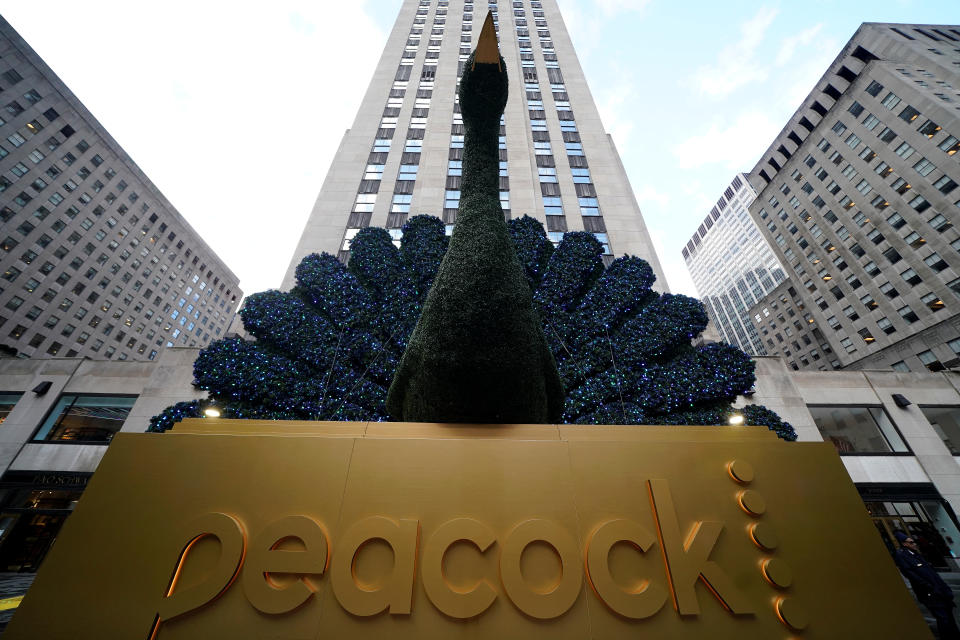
<point>927,584</point>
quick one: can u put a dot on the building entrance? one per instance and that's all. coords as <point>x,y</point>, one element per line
<point>33,508</point>
<point>29,539</point>
<point>918,511</point>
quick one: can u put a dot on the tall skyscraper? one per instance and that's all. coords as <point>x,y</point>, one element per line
<point>858,197</point>
<point>95,261</point>
<point>403,154</point>
<point>733,266</point>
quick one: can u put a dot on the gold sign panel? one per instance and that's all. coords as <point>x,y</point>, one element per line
<point>290,531</point>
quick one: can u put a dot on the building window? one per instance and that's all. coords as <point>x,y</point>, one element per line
<point>890,101</point>
<point>935,262</point>
<point>955,345</point>
<point>950,145</point>
<point>589,207</point>
<point>932,301</point>
<point>547,174</point>
<point>889,290</point>
<point>904,151</point>
<point>552,206</point>
<point>945,184</point>
<point>914,240</point>
<point>451,199</point>
<point>909,114</point>
<point>82,418</point>
<point>858,429</point>
<point>907,314</point>
<point>946,422</point>
<point>373,172</point>
<point>364,202</point>
<point>400,203</point>
<point>930,361</point>
<point>7,402</point>
<point>924,167</point>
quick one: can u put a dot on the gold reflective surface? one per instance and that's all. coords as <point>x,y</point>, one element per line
<point>242,529</point>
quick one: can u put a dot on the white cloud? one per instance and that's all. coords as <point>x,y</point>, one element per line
<point>585,27</point>
<point>649,194</point>
<point>789,45</point>
<point>736,63</point>
<point>679,280</point>
<point>735,146</point>
<point>617,107</point>
<point>613,7</point>
<point>702,201</point>
<point>588,27</point>
<point>609,8</point>
<point>804,73</point>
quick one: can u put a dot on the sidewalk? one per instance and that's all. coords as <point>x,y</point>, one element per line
<point>12,586</point>
<point>952,578</point>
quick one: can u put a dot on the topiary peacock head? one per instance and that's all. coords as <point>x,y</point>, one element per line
<point>483,85</point>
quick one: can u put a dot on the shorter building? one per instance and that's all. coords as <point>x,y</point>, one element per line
<point>57,417</point>
<point>898,435</point>
<point>733,266</point>
<point>857,196</point>
<point>95,262</point>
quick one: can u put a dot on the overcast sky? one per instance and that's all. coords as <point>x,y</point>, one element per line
<point>235,109</point>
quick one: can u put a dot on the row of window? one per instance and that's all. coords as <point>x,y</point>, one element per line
<point>934,261</point>
<point>95,419</point>
<point>77,418</point>
<point>884,324</point>
<point>587,201</point>
<point>410,163</point>
<point>28,228</point>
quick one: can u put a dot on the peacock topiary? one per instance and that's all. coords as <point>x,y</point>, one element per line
<point>328,349</point>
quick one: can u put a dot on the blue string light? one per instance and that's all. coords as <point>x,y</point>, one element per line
<point>328,349</point>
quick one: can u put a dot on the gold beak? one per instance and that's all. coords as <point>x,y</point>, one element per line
<point>487,51</point>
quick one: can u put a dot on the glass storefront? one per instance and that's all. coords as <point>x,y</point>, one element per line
<point>33,507</point>
<point>84,418</point>
<point>858,429</point>
<point>918,511</point>
<point>946,422</point>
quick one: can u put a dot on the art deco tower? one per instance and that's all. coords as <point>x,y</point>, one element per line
<point>402,156</point>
